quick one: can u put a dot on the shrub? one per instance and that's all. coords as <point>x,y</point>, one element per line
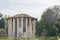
<point>52,31</point>
<point>3,33</point>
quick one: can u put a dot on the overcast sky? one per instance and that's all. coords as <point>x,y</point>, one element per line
<point>31,7</point>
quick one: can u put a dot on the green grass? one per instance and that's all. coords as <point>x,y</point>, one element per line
<point>40,38</point>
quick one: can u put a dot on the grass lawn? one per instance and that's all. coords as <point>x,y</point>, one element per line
<point>40,38</point>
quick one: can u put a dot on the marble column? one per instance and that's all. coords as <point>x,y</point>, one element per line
<point>34,27</point>
<point>10,28</point>
<point>13,27</point>
<point>22,27</point>
<point>26,26</point>
<point>17,27</point>
<point>30,27</point>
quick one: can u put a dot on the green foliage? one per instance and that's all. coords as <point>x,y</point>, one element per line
<point>38,29</point>
<point>1,15</point>
<point>2,23</point>
<point>3,33</point>
<point>52,30</point>
<point>49,17</point>
<point>48,21</point>
<point>57,24</point>
<point>6,22</point>
<point>41,38</point>
<point>59,35</point>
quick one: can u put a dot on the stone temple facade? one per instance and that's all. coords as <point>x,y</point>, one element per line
<point>21,25</point>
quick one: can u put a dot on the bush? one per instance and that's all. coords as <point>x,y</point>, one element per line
<point>3,33</point>
<point>52,31</point>
<point>59,35</point>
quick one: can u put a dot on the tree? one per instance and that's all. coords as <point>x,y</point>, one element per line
<point>1,15</point>
<point>57,23</point>
<point>2,21</point>
<point>52,30</point>
<point>49,18</point>
<point>38,29</point>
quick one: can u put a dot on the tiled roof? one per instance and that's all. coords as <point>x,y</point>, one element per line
<point>21,15</point>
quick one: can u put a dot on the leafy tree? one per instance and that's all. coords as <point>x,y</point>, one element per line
<point>2,21</point>
<point>6,26</point>
<point>57,23</point>
<point>52,31</point>
<point>1,15</point>
<point>38,29</point>
<point>49,18</point>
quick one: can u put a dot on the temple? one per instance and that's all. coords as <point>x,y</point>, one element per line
<point>21,25</point>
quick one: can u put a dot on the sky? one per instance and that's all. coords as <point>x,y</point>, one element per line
<point>34,8</point>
